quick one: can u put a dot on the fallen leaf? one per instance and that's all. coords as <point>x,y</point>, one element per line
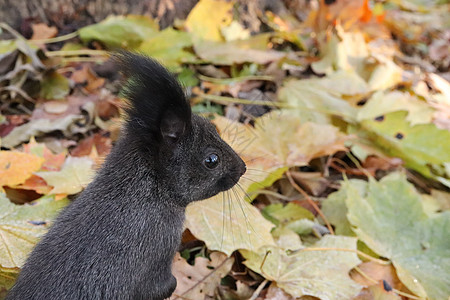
<point>377,292</point>
<point>236,52</point>
<point>54,86</point>
<point>43,31</point>
<point>120,31</point>
<point>21,226</point>
<point>200,280</point>
<point>316,100</point>
<point>321,273</point>
<point>76,173</point>
<point>418,146</point>
<point>53,162</point>
<point>206,25</point>
<point>227,222</point>
<point>7,278</point>
<point>38,127</point>
<point>377,272</point>
<point>168,47</point>
<point>17,167</point>
<point>381,103</point>
<point>421,250</point>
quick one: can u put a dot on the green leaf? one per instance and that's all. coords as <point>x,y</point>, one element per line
<point>54,86</point>
<point>227,223</point>
<point>279,214</point>
<point>168,46</point>
<point>381,103</point>
<point>391,220</point>
<point>7,279</point>
<point>75,174</point>
<point>21,226</point>
<point>188,78</point>
<point>321,273</point>
<point>235,52</point>
<point>315,100</point>
<point>418,146</point>
<point>335,209</point>
<point>120,31</point>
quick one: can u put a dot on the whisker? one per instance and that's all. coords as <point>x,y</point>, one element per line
<point>237,218</point>
<point>247,221</point>
<point>223,220</point>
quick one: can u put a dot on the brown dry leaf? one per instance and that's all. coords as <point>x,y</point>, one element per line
<point>17,167</point>
<point>88,78</point>
<point>102,144</point>
<point>75,103</point>
<point>376,292</point>
<point>275,293</point>
<point>280,139</point>
<point>374,163</point>
<point>200,280</point>
<point>35,183</point>
<point>42,31</point>
<point>378,273</point>
<point>53,162</point>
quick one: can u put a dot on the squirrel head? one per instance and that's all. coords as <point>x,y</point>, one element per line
<point>189,159</point>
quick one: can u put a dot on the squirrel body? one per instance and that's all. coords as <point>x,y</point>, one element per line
<point>117,240</point>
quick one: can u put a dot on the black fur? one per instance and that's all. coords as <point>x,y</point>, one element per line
<point>118,238</point>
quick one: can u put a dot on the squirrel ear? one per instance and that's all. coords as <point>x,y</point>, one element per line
<point>172,126</point>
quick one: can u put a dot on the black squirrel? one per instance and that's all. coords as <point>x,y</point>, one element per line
<point>118,238</point>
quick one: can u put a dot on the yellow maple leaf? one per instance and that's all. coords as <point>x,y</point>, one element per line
<point>17,167</point>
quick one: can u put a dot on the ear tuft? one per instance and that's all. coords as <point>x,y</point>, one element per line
<point>156,102</point>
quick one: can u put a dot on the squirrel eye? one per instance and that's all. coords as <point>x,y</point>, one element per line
<point>211,161</point>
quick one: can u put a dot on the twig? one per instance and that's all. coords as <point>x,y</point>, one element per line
<point>258,290</point>
<point>226,100</point>
<point>56,39</point>
<point>203,279</point>
<point>310,201</point>
<point>76,52</point>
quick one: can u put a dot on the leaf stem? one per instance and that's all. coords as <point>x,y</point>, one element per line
<point>227,100</point>
<point>56,39</point>
<point>76,52</point>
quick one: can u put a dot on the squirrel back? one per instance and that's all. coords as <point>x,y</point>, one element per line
<point>117,240</point>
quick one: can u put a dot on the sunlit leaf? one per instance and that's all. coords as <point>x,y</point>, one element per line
<point>17,167</point>
<point>21,226</point>
<point>207,18</point>
<point>390,219</point>
<point>419,112</point>
<point>418,146</point>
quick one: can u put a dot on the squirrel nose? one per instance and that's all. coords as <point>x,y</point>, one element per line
<point>244,169</point>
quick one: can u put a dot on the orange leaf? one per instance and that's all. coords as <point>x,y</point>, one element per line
<point>17,167</point>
